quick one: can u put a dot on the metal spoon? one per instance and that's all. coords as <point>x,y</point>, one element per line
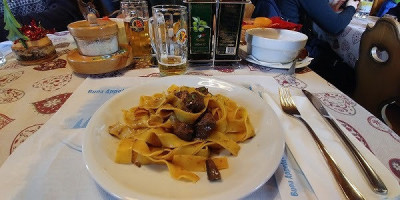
<point>292,68</point>
<point>301,56</point>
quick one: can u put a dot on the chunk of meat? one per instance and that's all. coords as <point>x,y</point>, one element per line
<point>213,173</point>
<point>182,94</point>
<point>194,102</point>
<point>205,126</point>
<point>202,90</point>
<point>183,131</point>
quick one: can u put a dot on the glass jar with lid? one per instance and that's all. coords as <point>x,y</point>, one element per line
<point>95,37</point>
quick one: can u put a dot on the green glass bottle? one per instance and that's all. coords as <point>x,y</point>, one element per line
<point>201,30</point>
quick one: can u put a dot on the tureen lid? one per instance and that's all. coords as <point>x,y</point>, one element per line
<point>93,27</point>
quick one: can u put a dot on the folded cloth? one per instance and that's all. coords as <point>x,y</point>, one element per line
<point>311,161</point>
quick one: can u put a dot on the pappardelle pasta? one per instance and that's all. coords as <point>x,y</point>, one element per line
<point>182,129</point>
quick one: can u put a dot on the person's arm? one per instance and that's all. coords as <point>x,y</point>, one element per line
<point>324,16</point>
<point>337,4</point>
<point>265,8</point>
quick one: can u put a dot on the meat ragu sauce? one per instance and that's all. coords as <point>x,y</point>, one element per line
<point>203,126</point>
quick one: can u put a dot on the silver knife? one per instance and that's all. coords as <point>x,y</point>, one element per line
<point>375,182</point>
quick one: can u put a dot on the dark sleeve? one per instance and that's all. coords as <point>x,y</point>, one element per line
<point>58,14</point>
<point>324,16</point>
<point>265,8</point>
<point>395,11</point>
<point>106,7</point>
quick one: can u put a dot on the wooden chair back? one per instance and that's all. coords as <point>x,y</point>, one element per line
<point>377,78</point>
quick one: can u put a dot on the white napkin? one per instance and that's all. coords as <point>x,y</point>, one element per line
<point>311,160</point>
<point>291,181</point>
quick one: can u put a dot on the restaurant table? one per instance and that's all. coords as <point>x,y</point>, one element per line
<point>44,110</point>
<point>347,43</point>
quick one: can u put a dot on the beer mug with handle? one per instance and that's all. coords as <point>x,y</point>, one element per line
<point>136,17</point>
<point>168,33</point>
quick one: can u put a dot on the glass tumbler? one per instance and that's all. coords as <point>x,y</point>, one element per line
<point>168,33</point>
<point>2,59</point>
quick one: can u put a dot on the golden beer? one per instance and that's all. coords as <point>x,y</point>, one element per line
<point>137,34</point>
<point>168,27</point>
<point>172,65</point>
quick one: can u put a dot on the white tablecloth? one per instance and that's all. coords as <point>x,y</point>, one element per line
<point>49,164</point>
<point>42,148</point>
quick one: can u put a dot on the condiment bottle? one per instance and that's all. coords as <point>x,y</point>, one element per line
<point>229,20</point>
<point>201,13</point>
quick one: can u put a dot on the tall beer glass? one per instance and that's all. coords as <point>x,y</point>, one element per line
<point>136,27</point>
<point>169,38</point>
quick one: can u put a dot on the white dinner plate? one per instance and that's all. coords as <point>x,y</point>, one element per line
<point>257,161</point>
<point>300,64</point>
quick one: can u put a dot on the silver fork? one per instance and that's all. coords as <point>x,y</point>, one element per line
<point>289,107</point>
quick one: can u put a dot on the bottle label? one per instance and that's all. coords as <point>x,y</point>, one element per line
<point>229,28</point>
<point>181,36</point>
<point>200,30</point>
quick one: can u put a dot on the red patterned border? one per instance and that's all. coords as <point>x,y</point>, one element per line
<point>377,124</point>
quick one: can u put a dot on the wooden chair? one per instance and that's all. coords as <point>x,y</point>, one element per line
<point>391,116</point>
<point>377,75</point>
